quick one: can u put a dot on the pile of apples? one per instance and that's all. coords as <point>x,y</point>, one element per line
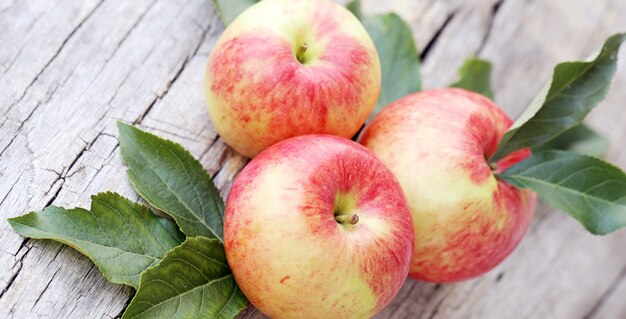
<point>319,226</point>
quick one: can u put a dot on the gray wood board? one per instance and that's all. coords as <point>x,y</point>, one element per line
<point>70,69</point>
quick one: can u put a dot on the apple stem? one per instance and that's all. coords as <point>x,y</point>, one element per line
<point>300,55</point>
<point>349,219</point>
<point>493,166</point>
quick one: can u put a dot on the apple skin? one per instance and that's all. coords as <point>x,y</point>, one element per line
<point>258,92</point>
<point>436,142</point>
<point>289,254</point>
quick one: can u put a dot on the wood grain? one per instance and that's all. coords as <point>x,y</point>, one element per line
<point>70,69</point>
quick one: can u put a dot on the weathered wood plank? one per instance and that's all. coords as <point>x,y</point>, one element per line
<point>119,64</point>
<point>611,304</point>
<point>74,70</point>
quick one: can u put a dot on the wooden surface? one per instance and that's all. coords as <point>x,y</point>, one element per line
<point>70,69</point>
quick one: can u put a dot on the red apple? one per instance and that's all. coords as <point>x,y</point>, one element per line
<point>317,227</point>
<point>437,143</point>
<point>285,68</point>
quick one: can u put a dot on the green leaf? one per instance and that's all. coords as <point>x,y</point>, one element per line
<point>192,281</point>
<point>121,237</point>
<point>576,88</point>
<point>398,57</point>
<point>580,139</point>
<point>589,189</point>
<point>170,179</point>
<point>355,7</point>
<point>474,75</point>
<point>230,9</point>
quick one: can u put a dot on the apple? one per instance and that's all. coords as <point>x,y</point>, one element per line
<point>437,143</point>
<point>285,68</point>
<point>317,227</point>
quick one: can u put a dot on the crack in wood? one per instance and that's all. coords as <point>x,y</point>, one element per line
<point>56,194</point>
<point>11,280</point>
<point>444,297</point>
<point>63,177</point>
<point>49,96</point>
<point>159,97</point>
<point>11,189</point>
<point>64,174</point>
<point>87,273</point>
<point>117,47</point>
<point>164,93</point>
<point>87,146</point>
<point>20,261</point>
<point>220,156</point>
<point>22,123</point>
<point>218,170</point>
<point>46,287</point>
<point>119,315</point>
<point>132,28</point>
<point>17,56</point>
<point>119,44</point>
<point>10,142</point>
<point>182,137</point>
<point>55,55</point>
<point>606,294</point>
<point>433,40</point>
<point>52,171</point>
<point>22,246</point>
<point>7,7</point>
<point>436,308</point>
<point>79,155</point>
<point>32,23</point>
<point>499,277</point>
<point>210,145</point>
<point>211,136</point>
<point>61,246</point>
<point>98,170</point>
<point>494,12</point>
